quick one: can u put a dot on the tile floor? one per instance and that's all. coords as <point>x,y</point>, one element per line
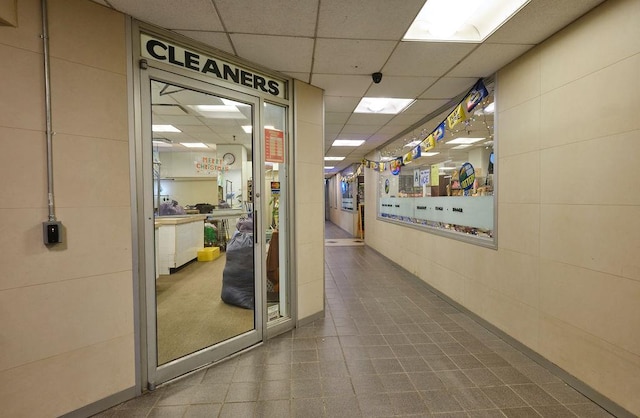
<point>387,346</point>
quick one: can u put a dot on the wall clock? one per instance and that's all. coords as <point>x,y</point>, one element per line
<point>229,158</point>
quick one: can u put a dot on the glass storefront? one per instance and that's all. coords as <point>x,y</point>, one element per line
<point>443,180</point>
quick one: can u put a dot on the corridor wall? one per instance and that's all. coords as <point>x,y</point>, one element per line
<point>66,311</point>
<point>565,278</point>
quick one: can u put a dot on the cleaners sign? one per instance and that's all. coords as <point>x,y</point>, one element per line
<point>160,50</point>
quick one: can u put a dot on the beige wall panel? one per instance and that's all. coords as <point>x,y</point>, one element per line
<point>102,43</point>
<point>592,301</point>
<point>519,227</point>
<point>306,176</point>
<point>519,178</point>
<point>310,298</point>
<point>519,81</point>
<point>519,128</point>
<point>447,281</point>
<point>309,197</point>
<point>8,13</point>
<point>62,316</point>
<point>68,381</point>
<point>515,318</point>
<point>88,101</point>
<point>607,369</point>
<point>22,104</point>
<point>310,257</point>
<point>97,241</point>
<point>27,33</point>
<point>609,34</point>
<point>23,168</point>
<point>312,148</point>
<point>309,103</point>
<point>594,237</point>
<point>609,101</point>
<point>519,277</point>
<point>588,172</point>
<point>91,172</point>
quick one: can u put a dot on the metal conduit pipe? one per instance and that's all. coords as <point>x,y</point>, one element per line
<point>52,229</point>
<point>47,95</point>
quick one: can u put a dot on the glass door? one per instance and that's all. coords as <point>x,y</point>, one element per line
<point>204,291</point>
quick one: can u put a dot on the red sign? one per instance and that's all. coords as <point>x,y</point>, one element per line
<point>274,146</point>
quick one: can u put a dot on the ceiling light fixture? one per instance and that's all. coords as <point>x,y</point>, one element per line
<point>164,128</point>
<point>465,141</point>
<point>382,105</point>
<point>328,167</point>
<point>429,154</point>
<point>194,145</point>
<point>333,158</point>
<point>461,20</point>
<point>347,142</point>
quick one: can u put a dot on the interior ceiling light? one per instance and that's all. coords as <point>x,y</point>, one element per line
<point>347,142</point>
<point>165,128</point>
<point>429,154</point>
<point>461,20</point>
<point>333,158</point>
<point>448,168</point>
<point>328,167</point>
<point>463,146</point>
<point>413,143</point>
<point>490,107</point>
<point>194,145</point>
<point>465,141</point>
<point>218,111</point>
<point>247,129</point>
<point>161,144</point>
<point>382,105</point>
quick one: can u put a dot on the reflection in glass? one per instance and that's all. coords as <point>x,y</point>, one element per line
<point>202,171</point>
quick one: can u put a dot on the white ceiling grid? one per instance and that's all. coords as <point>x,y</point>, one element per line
<point>337,44</point>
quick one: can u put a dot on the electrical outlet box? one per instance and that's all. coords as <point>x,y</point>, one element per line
<point>52,232</point>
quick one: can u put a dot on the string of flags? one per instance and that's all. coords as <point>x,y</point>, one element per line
<point>459,114</point>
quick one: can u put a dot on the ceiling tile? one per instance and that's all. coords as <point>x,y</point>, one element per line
<point>449,87</point>
<point>400,87</point>
<point>336,117</point>
<point>540,19</point>
<point>488,59</point>
<point>218,40</point>
<point>273,17</point>
<point>347,56</point>
<point>351,128</point>
<point>425,58</point>
<point>424,106</point>
<point>280,53</point>
<point>192,14</point>
<point>370,118</point>
<point>340,104</point>
<point>342,85</point>
<point>366,19</point>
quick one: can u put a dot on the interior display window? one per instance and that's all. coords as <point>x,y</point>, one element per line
<point>443,180</point>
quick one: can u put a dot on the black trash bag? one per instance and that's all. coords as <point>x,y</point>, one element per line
<point>237,278</point>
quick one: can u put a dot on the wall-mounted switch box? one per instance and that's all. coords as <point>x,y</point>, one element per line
<point>52,232</point>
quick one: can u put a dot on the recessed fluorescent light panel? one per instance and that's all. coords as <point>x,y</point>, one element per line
<point>194,145</point>
<point>463,146</point>
<point>218,111</point>
<point>382,105</point>
<point>347,142</point>
<point>333,158</point>
<point>465,141</point>
<point>161,144</point>
<point>461,20</point>
<point>328,167</point>
<point>429,154</point>
<point>247,129</point>
<point>165,128</point>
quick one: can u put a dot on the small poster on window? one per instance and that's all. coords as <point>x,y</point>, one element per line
<point>274,146</point>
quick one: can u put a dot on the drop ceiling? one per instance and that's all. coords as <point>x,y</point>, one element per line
<point>337,44</point>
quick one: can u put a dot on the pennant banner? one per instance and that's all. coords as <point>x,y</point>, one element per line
<point>458,115</point>
<point>477,94</point>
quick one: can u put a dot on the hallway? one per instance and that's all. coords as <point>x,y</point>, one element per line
<point>387,346</point>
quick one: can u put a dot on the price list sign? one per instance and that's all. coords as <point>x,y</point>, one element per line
<point>274,146</point>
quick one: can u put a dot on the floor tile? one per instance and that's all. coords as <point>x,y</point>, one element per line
<point>386,346</point>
